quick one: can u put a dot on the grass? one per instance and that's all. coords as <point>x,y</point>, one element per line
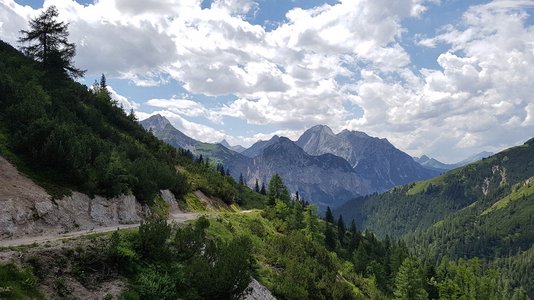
<point>520,191</point>
<point>193,204</point>
<point>419,187</point>
<point>18,283</point>
<point>160,207</point>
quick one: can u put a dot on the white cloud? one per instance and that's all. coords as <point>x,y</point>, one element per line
<point>180,106</point>
<point>121,100</point>
<point>479,99</point>
<point>313,66</point>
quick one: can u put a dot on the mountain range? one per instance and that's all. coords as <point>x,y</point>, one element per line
<point>434,164</point>
<point>236,148</point>
<point>325,168</point>
<point>375,159</point>
<point>326,180</point>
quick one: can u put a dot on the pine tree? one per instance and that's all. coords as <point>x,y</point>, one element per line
<point>132,116</point>
<point>103,84</point>
<point>241,181</point>
<point>360,259</point>
<point>278,190</point>
<point>341,229</point>
<point>329,238</point>
<point>409,282</point>
<point>329,217</point>
<point>263,190</point>
<point>353,228</point>
<point>52,48</point>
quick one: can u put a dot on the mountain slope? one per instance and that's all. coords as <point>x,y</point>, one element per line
<point>163,129</point>
<point>473,189</point>
<point>258,147</point>
<point>66,137</point>
<point>374,159</point>
<point>236,148</point>
<point>326,180</point>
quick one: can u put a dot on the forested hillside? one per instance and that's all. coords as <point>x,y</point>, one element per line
<point>484,210</point>
<point>65,136</point>
<point>419,205</point>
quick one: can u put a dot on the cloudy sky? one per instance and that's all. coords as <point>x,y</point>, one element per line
<point>446,78</point>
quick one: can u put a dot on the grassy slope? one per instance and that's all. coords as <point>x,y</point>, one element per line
<point>418,206</point>
<point>485,209</point>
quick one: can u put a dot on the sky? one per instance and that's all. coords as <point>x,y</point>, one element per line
<point>445,78</point>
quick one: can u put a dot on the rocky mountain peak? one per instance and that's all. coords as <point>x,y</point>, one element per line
<point>285,145</point>
<point>322,129</point>
<point>259,146</point>
<point>156,122</point>
<point>353,133</point>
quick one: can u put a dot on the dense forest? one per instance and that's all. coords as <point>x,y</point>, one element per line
<point>482,210</point>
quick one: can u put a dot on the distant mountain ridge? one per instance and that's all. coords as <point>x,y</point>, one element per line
<point>258,147</point>
<point>325,168</point>
<point>236,148</point>
<point>435,164</point>
<point>326,180</point>
<point>375,159</point>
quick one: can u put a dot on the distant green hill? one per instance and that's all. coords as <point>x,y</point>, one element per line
<point>419,205</point>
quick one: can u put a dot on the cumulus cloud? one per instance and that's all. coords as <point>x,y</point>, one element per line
<point>315,65</point>
<point>126,104</point>
<point>480,97</point>
<point>180,106</point>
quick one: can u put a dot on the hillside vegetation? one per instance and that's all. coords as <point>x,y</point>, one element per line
<point>484,210</point>
<point>65,136</point>
<point>419,205</point>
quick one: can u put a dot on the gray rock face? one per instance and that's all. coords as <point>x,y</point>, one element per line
<point>26,209</point>
<point>162,129</point>
<point>169,198</point>
<point>236,148</point>
<point>259,146</point>
<point>374,159</point>
<point>326,180</point>
<point>257,291</point>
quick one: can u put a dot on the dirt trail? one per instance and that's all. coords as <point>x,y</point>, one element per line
<point>174,218</point>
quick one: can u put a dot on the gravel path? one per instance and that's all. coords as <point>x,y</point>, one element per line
<point>174,218</point>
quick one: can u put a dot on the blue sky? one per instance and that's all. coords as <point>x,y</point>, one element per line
<point>443,78</point>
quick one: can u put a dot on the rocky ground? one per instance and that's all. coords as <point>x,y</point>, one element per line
<point>26,209</point>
